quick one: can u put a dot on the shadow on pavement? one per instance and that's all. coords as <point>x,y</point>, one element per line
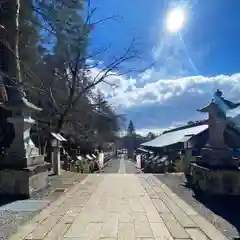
<point>226,207</point>
<point>6,199</point>
<point>222,212</point>
<point>113,166</point>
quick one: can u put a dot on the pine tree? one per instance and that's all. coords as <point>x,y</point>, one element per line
<point>10,69</point>
<point>53,41</point>
<point>131,139</point>
<point>64,76</point>
<point>131,129</point>
<point>151,136</point>
<point>31,51</point>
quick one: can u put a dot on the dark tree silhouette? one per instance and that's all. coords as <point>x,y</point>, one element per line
<point>131,129</point>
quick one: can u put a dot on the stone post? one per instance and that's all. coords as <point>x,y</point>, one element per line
<point>56,143</point>
<point>56,161</point>
<point>101,159</point>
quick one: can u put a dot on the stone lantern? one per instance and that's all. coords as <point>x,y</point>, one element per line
<point>22,170</point>
<point>216,171</point>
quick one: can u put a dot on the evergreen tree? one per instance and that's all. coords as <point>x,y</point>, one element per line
<point>190,122</point>
<point>52,41</point>
<point>131,139</point>
<point>131,129</point>
<point>151,136</point>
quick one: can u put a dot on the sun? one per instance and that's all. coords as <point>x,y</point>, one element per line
<point>175,20</point>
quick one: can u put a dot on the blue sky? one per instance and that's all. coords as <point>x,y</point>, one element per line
<point>189,65</point>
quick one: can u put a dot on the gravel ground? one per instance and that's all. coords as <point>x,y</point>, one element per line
<point>223,213</point>
<point>65,180</point>
<point>10,220</point>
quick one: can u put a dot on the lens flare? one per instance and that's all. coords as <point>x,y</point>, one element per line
<point>175,19</point>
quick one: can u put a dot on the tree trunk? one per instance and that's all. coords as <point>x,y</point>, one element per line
<point>18,66</point>
<point>60,123</point>
<point>9,59</point>
<point>9,48</point>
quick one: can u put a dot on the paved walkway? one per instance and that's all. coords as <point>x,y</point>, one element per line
<point>122,168</point>
<point>119,207</point>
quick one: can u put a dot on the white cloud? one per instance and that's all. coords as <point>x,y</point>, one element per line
<point>145,131</point>
<point>157,131</point>
<point>164,102</point>
<point>162,90</point>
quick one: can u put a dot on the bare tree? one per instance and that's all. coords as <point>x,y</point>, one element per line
<point>65,83</point>
<point>71,80</point>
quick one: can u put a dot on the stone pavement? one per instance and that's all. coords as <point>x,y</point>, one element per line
<point>122,167</point>
<point>119,207</point>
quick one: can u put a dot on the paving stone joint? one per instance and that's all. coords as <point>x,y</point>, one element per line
<point>118,207</point>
